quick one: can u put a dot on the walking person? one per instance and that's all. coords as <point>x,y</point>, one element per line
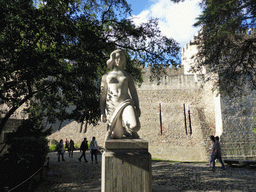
<point>83,147</point>
<point>94,149</point>
<point>213,150</point>
<point>60,150</point>
<point>71,148</point>
<point>218,153</point>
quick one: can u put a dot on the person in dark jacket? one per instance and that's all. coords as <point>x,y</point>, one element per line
<point>83,147</point>
<point>218,153</point>
<point>213,150</point>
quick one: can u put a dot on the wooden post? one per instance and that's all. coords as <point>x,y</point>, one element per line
<point>160,116</point>
<point>189,118</point>
<point>185,118</point>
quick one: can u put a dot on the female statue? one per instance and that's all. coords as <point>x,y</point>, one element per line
<point>119,101</point>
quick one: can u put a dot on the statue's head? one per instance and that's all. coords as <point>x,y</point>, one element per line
<point>117,56</point>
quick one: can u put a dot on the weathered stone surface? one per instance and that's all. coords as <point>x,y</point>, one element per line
<point>126,144</point>
<point>126,166</point>
<point>238,140</point>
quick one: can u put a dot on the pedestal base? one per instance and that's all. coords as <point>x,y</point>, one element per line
<point>126,166</point>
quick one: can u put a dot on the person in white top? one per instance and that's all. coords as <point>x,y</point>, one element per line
<point>94,149</point>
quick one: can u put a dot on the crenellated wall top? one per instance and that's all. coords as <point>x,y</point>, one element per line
<point>170,70</point>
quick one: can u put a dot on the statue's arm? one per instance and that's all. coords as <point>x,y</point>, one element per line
<point>103,98</point>
<point>134,94</point>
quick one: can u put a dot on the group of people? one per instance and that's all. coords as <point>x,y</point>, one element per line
<point>94,148</point>
<point>61,148</point>
<point>216,152</point>
<point>69,146</point>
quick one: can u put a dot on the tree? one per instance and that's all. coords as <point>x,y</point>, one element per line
<point>227,44</point>
<point>31,51</point>
<point>53,55</point>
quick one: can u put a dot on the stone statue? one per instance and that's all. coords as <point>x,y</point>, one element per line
<point>119,101</point>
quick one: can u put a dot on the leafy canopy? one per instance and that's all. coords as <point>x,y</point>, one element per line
<point>227,44</point>
<point>53,54</point>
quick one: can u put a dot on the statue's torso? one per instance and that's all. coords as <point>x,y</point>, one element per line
<point>118,82</point>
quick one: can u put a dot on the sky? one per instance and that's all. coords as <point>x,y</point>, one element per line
<point>175,19</point>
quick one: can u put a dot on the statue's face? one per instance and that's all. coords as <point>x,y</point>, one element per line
<point>119,59</point>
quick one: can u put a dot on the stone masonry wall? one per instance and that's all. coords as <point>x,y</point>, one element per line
<point>238,140</point>
<point>173,144</point>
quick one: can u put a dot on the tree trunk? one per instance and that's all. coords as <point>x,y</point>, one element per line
<point>81,128</point>
<point>12,110</point>
<point>85,128</point>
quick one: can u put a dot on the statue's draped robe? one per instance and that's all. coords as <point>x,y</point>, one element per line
<point>115,112</point>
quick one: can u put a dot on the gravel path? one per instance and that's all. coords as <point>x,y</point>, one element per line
<point>198,177</point>
<point>72,175</point>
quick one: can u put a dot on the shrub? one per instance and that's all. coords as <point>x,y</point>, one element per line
<point>24,157</point>
<point>26,153</point>
<point>52,148</point>
<point>77,146</point>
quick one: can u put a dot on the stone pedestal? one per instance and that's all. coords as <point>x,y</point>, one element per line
<point>126,166</point>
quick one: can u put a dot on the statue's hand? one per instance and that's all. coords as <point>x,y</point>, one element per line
<point>103,118</point>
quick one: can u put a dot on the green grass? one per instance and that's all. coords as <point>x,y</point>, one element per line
<point>52,148</point>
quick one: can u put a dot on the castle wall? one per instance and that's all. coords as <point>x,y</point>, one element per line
<point>234,118</point>
<point>238,140</point>
<point>187,53</point>
<point>173,143</point>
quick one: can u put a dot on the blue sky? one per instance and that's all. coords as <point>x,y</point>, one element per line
<point>175,19</point>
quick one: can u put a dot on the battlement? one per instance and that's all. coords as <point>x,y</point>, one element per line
<point>173,70</point>
<point>187,53</point>
<point>172,78</point>
<point>190,48</point>
<point>187,47</point>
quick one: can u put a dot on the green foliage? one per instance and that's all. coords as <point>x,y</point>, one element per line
<point>77,146</point>
<point>52,148</point>
<point>226,46</point>
<point>54,54</point>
